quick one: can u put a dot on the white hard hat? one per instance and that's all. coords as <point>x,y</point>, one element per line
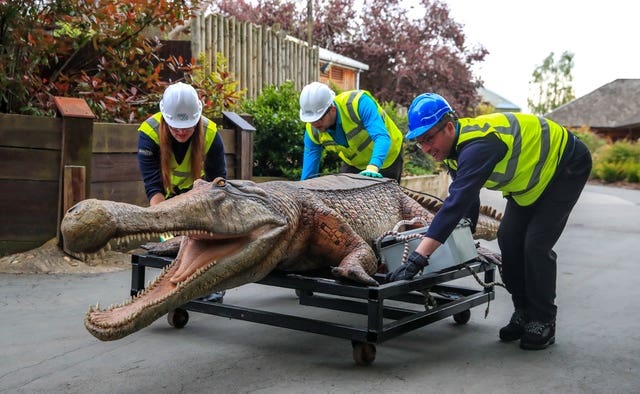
<point>180,106</point>
<point>315,99</point>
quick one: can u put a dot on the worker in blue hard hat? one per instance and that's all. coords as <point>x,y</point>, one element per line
<point>541,169</point>
<point>353,125</point>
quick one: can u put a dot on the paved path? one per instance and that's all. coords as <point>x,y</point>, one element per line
<point>44,347</point>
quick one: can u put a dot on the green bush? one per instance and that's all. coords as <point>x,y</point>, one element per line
<point>277,143</point>
<point>616,162</point>
<point>608,172</point>
<point>631,170</point>
<point>621,151</point>
<point>592,140</point>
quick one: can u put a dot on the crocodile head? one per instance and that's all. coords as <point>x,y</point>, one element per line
<point>232,235</point>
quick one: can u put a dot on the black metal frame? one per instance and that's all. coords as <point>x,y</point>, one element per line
<point>364,300</point>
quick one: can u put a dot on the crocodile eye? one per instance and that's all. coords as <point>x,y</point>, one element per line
<point>221,182</point>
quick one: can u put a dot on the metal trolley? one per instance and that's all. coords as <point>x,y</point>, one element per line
<point>440,301</point>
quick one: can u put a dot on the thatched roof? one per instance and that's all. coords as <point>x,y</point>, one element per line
<point>614,105</point>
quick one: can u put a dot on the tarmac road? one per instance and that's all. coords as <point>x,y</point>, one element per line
<point>44,347</point>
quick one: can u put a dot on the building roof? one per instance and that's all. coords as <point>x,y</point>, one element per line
<point>614,105</point>
<point>328,56</point>
<point>498,102</point>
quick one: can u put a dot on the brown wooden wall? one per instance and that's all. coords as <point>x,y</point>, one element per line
<point>342,77</point>
<point>30,171</point>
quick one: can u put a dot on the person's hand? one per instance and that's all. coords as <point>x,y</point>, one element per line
<point>371,171</point>
<point>414,264</point>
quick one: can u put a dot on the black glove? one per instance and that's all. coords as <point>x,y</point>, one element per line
<point>415,263</point>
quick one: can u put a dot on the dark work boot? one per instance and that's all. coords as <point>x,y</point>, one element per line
<point>515,328</point>
<point>214,297</point>
<point>538,335</point>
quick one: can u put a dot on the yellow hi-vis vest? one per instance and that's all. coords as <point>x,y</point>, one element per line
<point>181,176</point>
<point>535,146</point>
<point>360,145</point>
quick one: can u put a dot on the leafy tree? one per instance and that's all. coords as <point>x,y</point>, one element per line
<point>281,14</point>
<point>95,50</point>
<point>406,55</point>
<point>551,84</point>
<point>333,20</point>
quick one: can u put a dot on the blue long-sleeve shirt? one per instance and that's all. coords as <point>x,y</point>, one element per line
<point>149,161</point>
<point>476,160</point>
<point>373,124</point>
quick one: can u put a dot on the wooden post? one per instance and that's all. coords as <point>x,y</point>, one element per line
<point>244,143</point>
<point>75,148</point>
<point>74,188</point>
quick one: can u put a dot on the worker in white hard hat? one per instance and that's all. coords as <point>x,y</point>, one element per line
<point>183,136</point>
<point>353,125</point>
<point>178,145</point>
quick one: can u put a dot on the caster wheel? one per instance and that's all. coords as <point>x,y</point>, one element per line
<point>363,352</point>
<point>178,318</point>
<point>303,293</point>
<point>462,317</point>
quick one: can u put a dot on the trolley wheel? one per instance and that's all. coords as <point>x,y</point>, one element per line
<point>363,352</point>
<point>462,317</point>
<point>301,293</point>
<point>178,318</point>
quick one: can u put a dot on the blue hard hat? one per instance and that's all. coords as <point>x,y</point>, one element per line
<point>425,112</point>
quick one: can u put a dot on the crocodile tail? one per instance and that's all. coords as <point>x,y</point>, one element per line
<point>491,212</point>
<point>427,201</point>
<point>488,220</point>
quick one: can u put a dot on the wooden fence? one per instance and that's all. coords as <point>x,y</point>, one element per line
<point>37,152</point>
<point>258,56</point>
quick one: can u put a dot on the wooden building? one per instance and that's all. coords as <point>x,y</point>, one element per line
<point>340,71</point>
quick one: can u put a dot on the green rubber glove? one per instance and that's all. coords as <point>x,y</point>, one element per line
<point>371,171</point>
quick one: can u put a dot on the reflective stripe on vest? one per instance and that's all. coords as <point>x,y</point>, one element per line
<point>535,146</point>
<point>360,146</point>
<point>181,176</point>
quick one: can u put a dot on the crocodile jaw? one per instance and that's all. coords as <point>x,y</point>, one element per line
<point>201,267</point>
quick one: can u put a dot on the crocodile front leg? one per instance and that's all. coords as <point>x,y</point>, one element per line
<point>334,239</point>
<point>352,265</point>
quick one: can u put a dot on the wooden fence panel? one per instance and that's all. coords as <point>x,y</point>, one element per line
<point>258,56</point>
<point>29,164</point>
<point>30,132</point>
<point>28,213</point>
<point>29,172</point>
<point>114,161</point>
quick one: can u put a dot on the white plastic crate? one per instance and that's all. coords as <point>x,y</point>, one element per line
<point>459,248</point>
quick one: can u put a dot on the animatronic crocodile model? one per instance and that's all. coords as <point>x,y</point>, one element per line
<point>237,232</point>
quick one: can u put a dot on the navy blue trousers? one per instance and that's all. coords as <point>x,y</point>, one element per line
<point>528,234</point>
